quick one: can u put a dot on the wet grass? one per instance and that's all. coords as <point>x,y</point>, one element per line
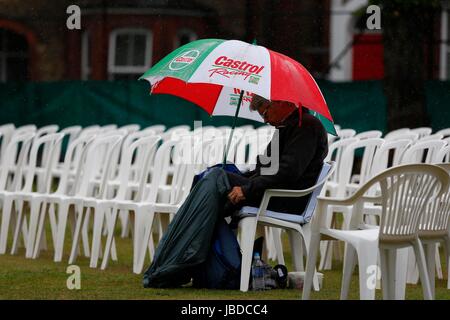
<point>22,278</point>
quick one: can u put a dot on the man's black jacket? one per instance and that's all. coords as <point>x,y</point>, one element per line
<point>302,152</point>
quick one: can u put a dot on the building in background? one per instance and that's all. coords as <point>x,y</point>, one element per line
<point>120,39</point>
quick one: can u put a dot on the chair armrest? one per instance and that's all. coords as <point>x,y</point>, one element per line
<point>287,192</point>
<point>348,201</point>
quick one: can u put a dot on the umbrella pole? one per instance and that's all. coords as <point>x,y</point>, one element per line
<point>232,129</point>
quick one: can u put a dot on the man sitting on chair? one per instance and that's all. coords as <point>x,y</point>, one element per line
<point>302,147</point>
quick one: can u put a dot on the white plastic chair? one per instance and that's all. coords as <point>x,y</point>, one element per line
<point>392,134</point>
<point>425,151</point>
<point>130,128</point>
<point>21,142</point>
<point>18,196</point>
<point>145,144</point>
<point>409,135</point>
<point>346,133</point>
<point>157,128</point>
<point>369,134</point>
<point>102,148</point>
<point>422,131</point>
<point>445,132</point>
<point>404,193</point>
<point>297,224</point>
<point>6,132</point>
<point>347,184</point>
<point>435,228</point>
<point>108,127</point>
<point>71,170</point>
<point>435,136</point>
<point>147,205</point>
<point>443,155</point>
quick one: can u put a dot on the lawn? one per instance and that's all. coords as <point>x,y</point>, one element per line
<point>22,278</point>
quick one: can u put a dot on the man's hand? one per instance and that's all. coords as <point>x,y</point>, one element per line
<point>236,195</point>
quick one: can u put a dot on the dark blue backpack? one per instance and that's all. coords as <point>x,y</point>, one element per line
<point>222,268</point>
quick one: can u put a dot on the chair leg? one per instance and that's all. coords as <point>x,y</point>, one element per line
<point>348,268</point>
<point>247,228</point>
<point>76,236</point>
<point>423,273</point>
<point>413,271</point>
<point>99,214</point>
<point>41,230</point>
<point>110,238</point>
<point>63,211</point>
<point>19,228</point>
<point>430,255</point>
<point>6,217</point>
<point>392,283</point>
<point>278,245</point>
<point>31,238</point>
<point>401,273</point>
<point>296,244</point>
<point>85,232</point>
<point>142,250</point>
<point>438,263</point>
<point>311,265</point>
<point>367,259</point>
<point>385,275</point>
<point>448,261</point>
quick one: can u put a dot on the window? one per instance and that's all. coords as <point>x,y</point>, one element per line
<point>13,56</point>
<point>184,36</point>
<point>130,53</point>
<point>85,56</point>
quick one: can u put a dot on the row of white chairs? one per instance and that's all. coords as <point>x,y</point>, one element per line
<point>101,168</point>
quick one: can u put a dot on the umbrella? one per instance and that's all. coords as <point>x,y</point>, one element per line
<point>221,77</point>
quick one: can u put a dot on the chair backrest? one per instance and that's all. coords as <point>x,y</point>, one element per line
<point>91,168</point>
<point>335,151</point>
<point>443,155</point>
<point>325,172</point>
<point>435,221</point>
<point>160,173</point>
<point>392,134</point>
<point>422,131</point>
<point>130,128</point>
<point>369,134</point>
<point>409,135</point>
<point>346,133</point>
<point>370,147</point>
<point>445,132</point>
<point>389,155</point>
<point>405,192</point>
<point>425,151</point>
<point>76,152</point>
<point>6,132</point>
<point>435,136</point>
<point>108,127</point>
<point>144,147</point>
<point>46,142</point>
<point>157,128</point>
<point>13,163</point>
<point>25,128</point>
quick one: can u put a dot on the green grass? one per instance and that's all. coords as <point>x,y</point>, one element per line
<point>22,278</point>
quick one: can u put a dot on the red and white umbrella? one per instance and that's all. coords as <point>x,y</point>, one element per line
<point>215,74</point>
